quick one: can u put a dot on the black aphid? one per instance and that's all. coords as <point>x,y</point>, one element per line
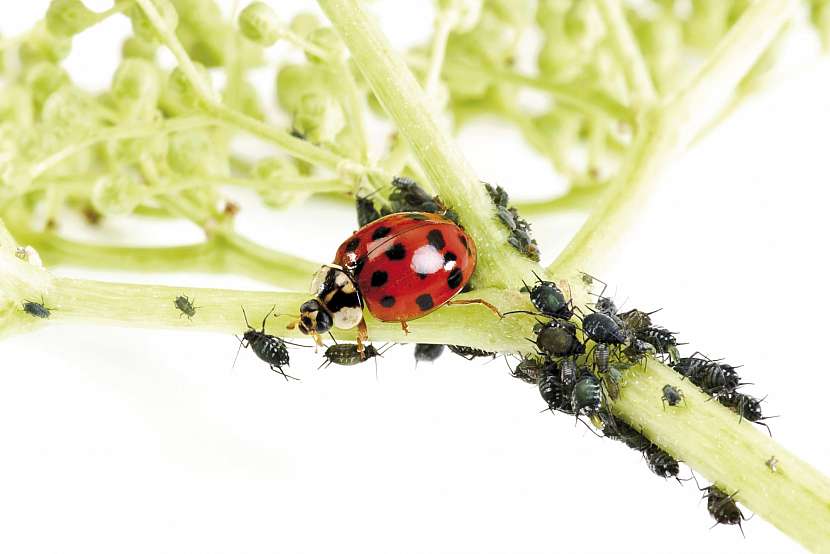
<point>36,309</point>
<point>722,507</point>
<point>347,353</point>
<point>268,348</point>
<point>567,371</point>
<point>602,354</point>
<point>712,377</point>
<point>637,350</point>
<point>557,338</point>
<point>366,210</point>
<point>586,397</point>
<point>409,196</point>
<point>661,339</point>
<point>672,396</point>
<point>428,352</point>
<point>549,299</point>
<point>747,407</point>
<point>518,227</point>
<point>555,393</point>
<point>468,352</point>
<point>621,431</point>
<point>529,370</point>
<point>602,328</point>
<point>661,463</point>
<point>636,320</point>
<point>185,306</point>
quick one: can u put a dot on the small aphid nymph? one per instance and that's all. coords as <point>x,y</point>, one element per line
<point>428,352</point>
<point>672,396</point>
<point>347,354</point>
<point>722,507</point>
<point>36,309</point>
<point>186,306</point>
<point>772,464</point>
<point>586,397</point>
<point>469,353</point>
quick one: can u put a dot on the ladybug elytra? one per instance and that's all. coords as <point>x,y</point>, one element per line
<point>401,267</point>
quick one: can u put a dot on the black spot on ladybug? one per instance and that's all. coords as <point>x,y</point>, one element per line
<point>436,239</point>
<point>424,302</point>
<point>454,280</point>
<point>358,266</point>
<point>463,240</point>
<point>351,246</point>
<point>397,252</point>
<point>379,278</point>
<point>422,276</point>
<point>415,216</point>
<point>380,232</point>
<point>387,301</point>
<point>450,257</point>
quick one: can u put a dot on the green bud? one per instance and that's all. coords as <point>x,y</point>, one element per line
<point>304,23</point>
<point>16,106</point>
<point>295,81</point>
<point>71,112</point>
<point>136,85</point>
<point>143,28</point>
<point>245,98</point>
<point>319,118</point>
<point>117,194</point>
<point>42,46</point>
<point>327,40</point>
<point>178,95</point>
<point>187,152</point>
<point>561,60</point>
<point>271,171</point>
<point>135,47</point>
<point>66,18</point>
<point>43,79</point>
<point>584,25</point>
<point>259,23</point>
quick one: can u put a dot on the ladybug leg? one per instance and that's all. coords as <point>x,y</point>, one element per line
<point>362,336</point>
<point>405,327</point>
<point>477,301</point>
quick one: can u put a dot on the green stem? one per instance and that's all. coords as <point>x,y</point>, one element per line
<point>445,21</point>
<point>795,498</point>
<point>450,174</point>
<point>669,129</point>
<point>627,52</point>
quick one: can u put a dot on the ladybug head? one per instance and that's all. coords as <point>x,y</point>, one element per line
<point>314,319</point>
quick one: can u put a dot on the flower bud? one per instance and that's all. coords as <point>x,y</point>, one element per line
<point>326,39</point>
<point>43,79</point>
<point>319,117</point>
<point>259,23</point>
<point>295,81</point>
<point>117,194</point>
<point>271,171</point>
<point>135,47</point>
<point>66,18</point>
<point>70,111</point>
<point>143,28</point>
<point>42,46</point>
<point>136,83</point>
<point>303,23</point>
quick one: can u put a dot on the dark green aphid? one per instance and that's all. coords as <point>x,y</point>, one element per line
<point>621,431</point>
<point>747,407</point>
<point>661,463</point>
<point>347,354</point>
<point>408,196</point>
<point>722,507</point>
<point>366,211</point>
<point>555,393</point>
<point>586,397</point>
<point>557,338</point>
<point>529,370</point>
<point>661,339</point>
<point>468,352</point>
<point>185,306</point>
<point>428,352</point>
<point>637,350</point>
<point>672,396</point>
<point>603,329</point>
<point>36,309</point>
<point>636,320</point>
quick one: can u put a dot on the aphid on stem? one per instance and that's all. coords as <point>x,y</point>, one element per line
<point>268,348</point>
<point>186,306</point>
<point>37,309</point>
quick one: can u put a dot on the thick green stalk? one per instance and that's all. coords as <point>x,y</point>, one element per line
<point>670,128</point>
<point>795,497</point>
<point>450,174</point>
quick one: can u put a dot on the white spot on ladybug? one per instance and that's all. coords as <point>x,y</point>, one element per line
<point>346,318</point>
<point>426,260</point>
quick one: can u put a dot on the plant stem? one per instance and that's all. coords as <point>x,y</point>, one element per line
<point>795,498</point>
<point>627,52</point>
<point>669,129</point>
<point>445,22</point>
<point>450,174</point>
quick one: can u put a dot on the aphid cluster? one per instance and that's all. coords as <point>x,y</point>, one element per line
<point>519,228</point>
<point>406,196</point>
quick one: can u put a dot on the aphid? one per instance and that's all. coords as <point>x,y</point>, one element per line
<point>619,430</point>
<point>506,217</point>
<point>468,352</point>
<point>185,306</point>
<point>366,210</point>
<point>712,377</point>
<point>401,267</point>
<point>497,194</point>
<point>529,370</point>
<point>636,320</point>
<point>549,299</point>
<point>347,353</point>
<point>661,339</point>
<point>611,381</point>
<point>36,309</point>
<point>428,352</point>
<point>722,507</point>
<point>268,348</point>
<point>554,392</point>
<point>567,370</point>
<point>637,350</point>
<point>602,354</point>
<point>605,305</point>
<point>586,397</point>
<point>747,407</point>
<point>661,463</point>
<point>408,196</point>
<point>672,396</point>
<point>557,338</point>
<point>602,329</point>
<point>772,464</point>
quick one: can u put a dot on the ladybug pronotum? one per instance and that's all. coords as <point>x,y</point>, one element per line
<point>401,267</point>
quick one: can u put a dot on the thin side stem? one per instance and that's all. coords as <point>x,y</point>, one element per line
<point>450,174</point>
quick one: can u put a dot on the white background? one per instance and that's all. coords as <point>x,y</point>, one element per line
<point>142,441</point>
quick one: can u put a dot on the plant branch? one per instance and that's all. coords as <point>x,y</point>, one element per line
<point>450,174</point>
<point>699,431</point>
<point>670,128</point>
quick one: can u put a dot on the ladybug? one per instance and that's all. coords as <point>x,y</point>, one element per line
<point>401,267</point>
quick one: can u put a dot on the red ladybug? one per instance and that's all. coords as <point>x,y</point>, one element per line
<point>401,267</point>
